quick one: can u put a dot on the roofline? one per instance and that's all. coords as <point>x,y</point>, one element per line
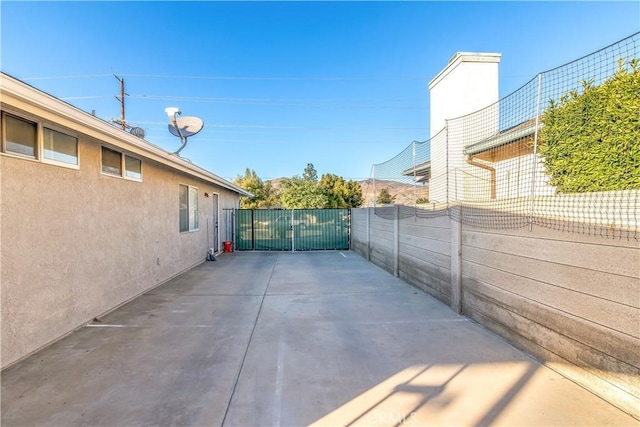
<point>418,169</point>
<point>99,128</point>
<point>501,139</point>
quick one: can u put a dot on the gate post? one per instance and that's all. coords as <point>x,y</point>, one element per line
<point>293,231</point>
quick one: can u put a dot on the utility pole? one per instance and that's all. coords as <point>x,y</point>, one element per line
<point>122,122</point>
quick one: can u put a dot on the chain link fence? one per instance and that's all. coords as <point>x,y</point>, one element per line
<point>549,154</point>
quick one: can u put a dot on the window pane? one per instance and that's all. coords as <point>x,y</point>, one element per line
<point>183,210</point>
<point>132,167</point>
<point>60,147</point>
<point>111,162</point>
<point>193,208</point>
<point>21,136</point>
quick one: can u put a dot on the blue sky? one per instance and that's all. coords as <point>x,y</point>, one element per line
<point>342,85</point>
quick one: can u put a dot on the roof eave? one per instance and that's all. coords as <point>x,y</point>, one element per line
<point>28,94</point>
<point>500,140</point>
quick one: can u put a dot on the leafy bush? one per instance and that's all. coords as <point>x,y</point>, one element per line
<point>590,141</point>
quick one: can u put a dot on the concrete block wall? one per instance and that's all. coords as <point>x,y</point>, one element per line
<point>382,238</point>
<point>416,249</point>
<point>360,231</point>
<point>425,255</point>
<point>571,300</point>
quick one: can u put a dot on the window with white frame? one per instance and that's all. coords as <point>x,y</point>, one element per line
<point>60,147</point>
<point>20,136</point>
<point>34,140</point>
<point>188,209</point>
<point>132,167</point>
<point>116,163</point>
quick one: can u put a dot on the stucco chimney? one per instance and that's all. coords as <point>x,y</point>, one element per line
<point>468,83</point>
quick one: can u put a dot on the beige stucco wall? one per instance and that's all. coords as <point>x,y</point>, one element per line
<point>76,243</point>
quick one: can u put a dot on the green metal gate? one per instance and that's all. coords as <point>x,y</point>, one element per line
<point>292,230</point>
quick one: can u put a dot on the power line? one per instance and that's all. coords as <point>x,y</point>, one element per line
<point>211,77</point>
<point>270,142</point>
<point>273,102</point>
<point>205,77</point>
<point>75,98</point>
<point>81,76</point>
<point>241,126</point>
<point>312,103</point>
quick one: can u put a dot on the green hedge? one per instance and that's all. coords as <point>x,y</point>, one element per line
<point>590,141</point>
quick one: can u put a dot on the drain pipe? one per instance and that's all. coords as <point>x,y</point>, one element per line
<point>472,162</point>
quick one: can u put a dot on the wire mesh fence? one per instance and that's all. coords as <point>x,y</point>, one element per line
<point>561,152</point>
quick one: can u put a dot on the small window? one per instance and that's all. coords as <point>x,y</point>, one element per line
<point>132,167</point>
<point>193,208</point>
<point>188,209</point>
<point>119,164</point>
<point>111,162</point>
<point>60,147</point>
<point>21,136</point>
<point>31,139</point>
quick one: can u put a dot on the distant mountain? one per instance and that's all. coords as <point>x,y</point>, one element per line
<point>406,194</point>
<point>276,183</point>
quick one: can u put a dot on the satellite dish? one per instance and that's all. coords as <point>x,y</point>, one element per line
<point>139,132</point>
<point>189,126</point>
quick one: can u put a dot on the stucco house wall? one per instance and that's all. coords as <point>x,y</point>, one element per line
<point>75,242</point>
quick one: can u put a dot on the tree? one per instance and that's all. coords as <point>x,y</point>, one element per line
<point>304,192</point>
<point>341,193</point>
<point>354,197</point>
<point>385,197</point>
<point>252,183</point>
<point>264,195</point>
<point>590,141</point>
<point>270,197</point>
<point>310,174</point>
<point>298,193</point>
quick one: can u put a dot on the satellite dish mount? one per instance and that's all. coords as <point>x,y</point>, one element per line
<point>182,127</point>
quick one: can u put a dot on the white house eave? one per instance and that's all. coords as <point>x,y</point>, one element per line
<point>501,140</point>
<point>100,129</point>
<point>421,169</point>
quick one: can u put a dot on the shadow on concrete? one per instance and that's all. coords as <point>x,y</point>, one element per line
<point>290,339</point>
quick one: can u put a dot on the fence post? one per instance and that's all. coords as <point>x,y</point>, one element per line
<point>253,231</point>
<point>373,173</point>
<point>233,228</point>
<point>396,241</point>
<point>456,259</point>
<point>415,194</point>
<point>368,234</point>
<point>535,155</point>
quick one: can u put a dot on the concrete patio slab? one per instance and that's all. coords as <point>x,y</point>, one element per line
<point>290,339</point>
